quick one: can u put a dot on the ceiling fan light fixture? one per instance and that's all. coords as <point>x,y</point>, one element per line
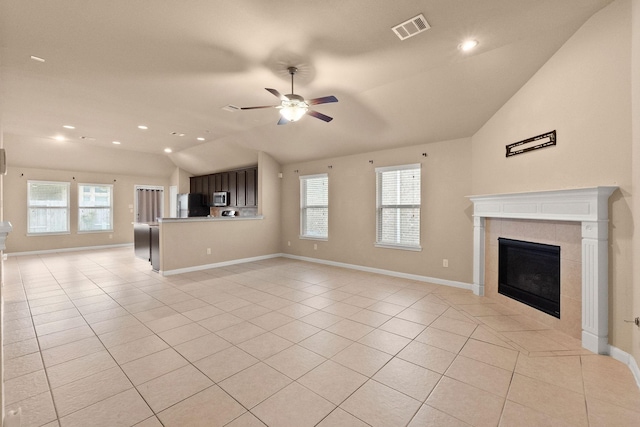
<point>293,110</point>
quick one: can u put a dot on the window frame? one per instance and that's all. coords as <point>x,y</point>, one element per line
<point>379,207</point>
<point>81,206</point>
<point>303,207</point>
<point>67,207</point>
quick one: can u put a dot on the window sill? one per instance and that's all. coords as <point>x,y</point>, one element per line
<point>321,239</point>
<point>55,233</point>
<point>94,231</point>
<point>401,247</point>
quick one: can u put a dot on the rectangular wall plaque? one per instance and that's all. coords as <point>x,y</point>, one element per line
<point>540,141</point>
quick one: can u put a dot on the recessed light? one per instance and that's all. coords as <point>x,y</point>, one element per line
<point>117,142</point>
<point>68,127</point>
<point>182,134</point>
<point>168,150</point>
<point>59,138</point>
<point>143,127</point>
<point>200,139</point>
<point>468,45</point>
<point>37,58</point>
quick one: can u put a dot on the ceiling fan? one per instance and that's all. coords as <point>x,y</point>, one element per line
<point>292,107</point>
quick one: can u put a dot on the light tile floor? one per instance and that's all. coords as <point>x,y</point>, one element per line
<point>96,339</point>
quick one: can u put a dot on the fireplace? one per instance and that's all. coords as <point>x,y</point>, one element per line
<point>587,206</point>
<point>530,273</point>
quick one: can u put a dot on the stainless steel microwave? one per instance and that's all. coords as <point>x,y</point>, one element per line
<point>221,198</point>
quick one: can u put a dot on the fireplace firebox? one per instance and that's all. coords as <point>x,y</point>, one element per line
<point>530,273</point>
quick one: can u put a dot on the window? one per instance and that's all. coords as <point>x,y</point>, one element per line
<point>95,207</point>
<point>314,206</point>
<point>398,207</point>
<point>48,207</point>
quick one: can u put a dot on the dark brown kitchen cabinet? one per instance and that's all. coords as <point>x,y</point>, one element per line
<point>212,185</point>
<point>233,191</point>
<point>206,195</point>
<point>251,187</point>
<point>224,179</point>
<point>242,186</point>
<point>198,184</point>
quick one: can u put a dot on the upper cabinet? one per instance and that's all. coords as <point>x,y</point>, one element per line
<point>242,186</point>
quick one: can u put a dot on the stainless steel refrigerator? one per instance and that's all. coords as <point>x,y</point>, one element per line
<point>191,204</point>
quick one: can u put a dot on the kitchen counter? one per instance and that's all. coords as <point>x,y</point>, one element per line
<point>210,218</point>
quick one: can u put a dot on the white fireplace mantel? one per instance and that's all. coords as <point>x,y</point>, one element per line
<point>5,229</point>
<point>590,207</point>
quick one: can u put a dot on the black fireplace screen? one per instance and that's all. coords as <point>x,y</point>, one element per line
<point>530,273</point>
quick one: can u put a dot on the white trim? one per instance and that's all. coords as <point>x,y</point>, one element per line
<point>577,204</point>
<point>590,207</point>
<point>67,207</point>
<point>217,265</point>
<point>303,205</point>
<point>380,173</point>
<point>110,207</point>
<point>5,229</point>
<point>80,248</point>
<point>401,247</point>
<point>627,359</point>
<point>399,274</point>
<point>319,239</point>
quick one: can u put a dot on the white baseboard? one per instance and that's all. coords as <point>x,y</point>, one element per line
<point>628,360</point>
<point>81,248</point>
<point>416,277</point>
<point>218,264</point>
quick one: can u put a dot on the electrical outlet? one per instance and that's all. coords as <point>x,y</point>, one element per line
<point>288,242</point>
<point>208,251</point>
<point>445,263</point>
<point>315,246</point>
<point>111,236</point>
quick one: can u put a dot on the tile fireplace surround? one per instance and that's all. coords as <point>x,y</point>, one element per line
<point>590,207</point>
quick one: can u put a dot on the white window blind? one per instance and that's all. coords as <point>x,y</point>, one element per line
<point>95,207</point>
<point>48,207</point>
<point>398,206</point>
<point>314,206</point>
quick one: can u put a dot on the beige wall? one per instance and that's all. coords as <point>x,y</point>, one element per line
<point>180,178</point>
<point>445,229</point>
<point>583,92</point>
<point>15,209</point>
<point>635,85</point>
<point>184,244</point>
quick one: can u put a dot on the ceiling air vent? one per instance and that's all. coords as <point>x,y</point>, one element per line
<point>411,27</point>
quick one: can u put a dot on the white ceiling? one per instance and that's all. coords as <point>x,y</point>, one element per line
<point>172,65</point>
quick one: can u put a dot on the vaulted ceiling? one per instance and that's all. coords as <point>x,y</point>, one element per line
<point>172,66</point>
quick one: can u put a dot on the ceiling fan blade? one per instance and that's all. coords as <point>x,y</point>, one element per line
<point>319,116</point>
<point>323,100</point>
<point>283,121</point>
<point>277,94</point>
<point>262,106</point>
